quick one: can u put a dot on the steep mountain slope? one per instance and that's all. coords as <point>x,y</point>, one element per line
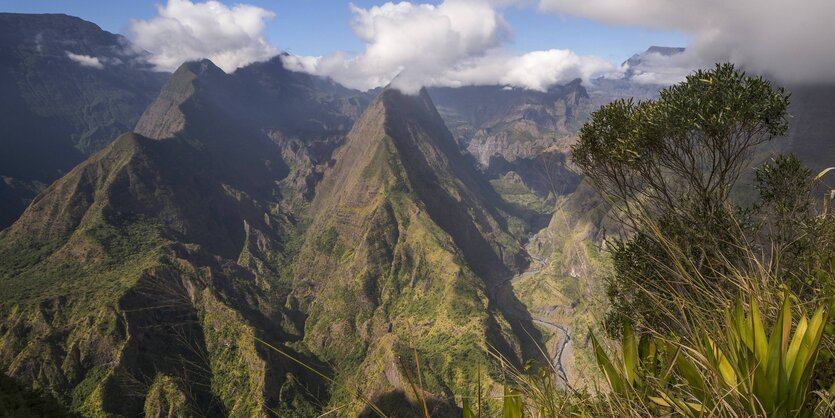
<point>141,281</point>
<point>68,88</point>
<point>103,300</point>
<point>405,244</point>
<point>306,116</point>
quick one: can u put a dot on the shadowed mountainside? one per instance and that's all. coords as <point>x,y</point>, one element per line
<point>405,241</point>
<point>57,111</point>
<point>143,277</point>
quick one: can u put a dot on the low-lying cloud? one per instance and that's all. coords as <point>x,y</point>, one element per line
<point>458,42</point>
<point>85,60</point>
<point>184,30</point>
<point>788,40</point>
<point>666,67</point>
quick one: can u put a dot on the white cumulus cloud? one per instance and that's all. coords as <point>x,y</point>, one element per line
<point>789,40</point>
<point>184,30</point>
<point>85,60</point>
<point>539,70</point>
<point>458,42</point>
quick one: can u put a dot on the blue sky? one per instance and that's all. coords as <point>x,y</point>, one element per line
<point>308,27</point>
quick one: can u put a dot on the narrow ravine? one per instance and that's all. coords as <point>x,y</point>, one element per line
<point>563,340</point>
<point>502,293</point>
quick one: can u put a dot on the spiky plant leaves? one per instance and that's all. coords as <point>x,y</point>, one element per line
<point>804,361</point>
<point>823,173</point>
<point>630,355</point>
<point>687,409</point>
<point>617,383</point>
<point>757,331</point>
<point>512,405</point>
<point>466,409</point>
<point>733,369</point>
<point>723,365</point>
<point>766,376</point>
<point>693,376</point>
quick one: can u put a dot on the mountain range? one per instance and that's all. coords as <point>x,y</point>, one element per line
<point>268,242</point>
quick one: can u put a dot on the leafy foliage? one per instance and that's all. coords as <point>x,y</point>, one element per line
<point>687,145</point>
<point>669,167</point>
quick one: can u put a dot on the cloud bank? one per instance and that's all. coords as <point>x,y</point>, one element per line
<point>788,40</point>
<point>458,42</point>
<point>463,42</point>
<point>661,66</point>
<point>85,60</point>
<point>229,36</point>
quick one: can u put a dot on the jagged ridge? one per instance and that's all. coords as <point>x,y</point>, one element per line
<point>402,250</point>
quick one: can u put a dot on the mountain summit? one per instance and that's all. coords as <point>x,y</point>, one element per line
<point>402,251</point>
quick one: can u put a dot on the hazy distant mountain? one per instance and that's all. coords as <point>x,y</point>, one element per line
<point>68,89</point>
<point>812,125</point>
<point>637,60</point>
<point>605,90</point>
<point>510,123</point>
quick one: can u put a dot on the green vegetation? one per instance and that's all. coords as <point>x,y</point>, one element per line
<point>115,258</point>
<point>711,301</point>
<point>395,226</point>
<point>328,243</point>
<point>746,370</point>
<point>514,191</point>
<point>107,289</point>
<point>18,401</point>
<point>166,398</point>
<point>169,277</point>
<point>237,370</point>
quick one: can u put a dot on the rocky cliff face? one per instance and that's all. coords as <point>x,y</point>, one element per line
<point>306,117</point>
<point>69,88</point>
<point>497,124</point>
